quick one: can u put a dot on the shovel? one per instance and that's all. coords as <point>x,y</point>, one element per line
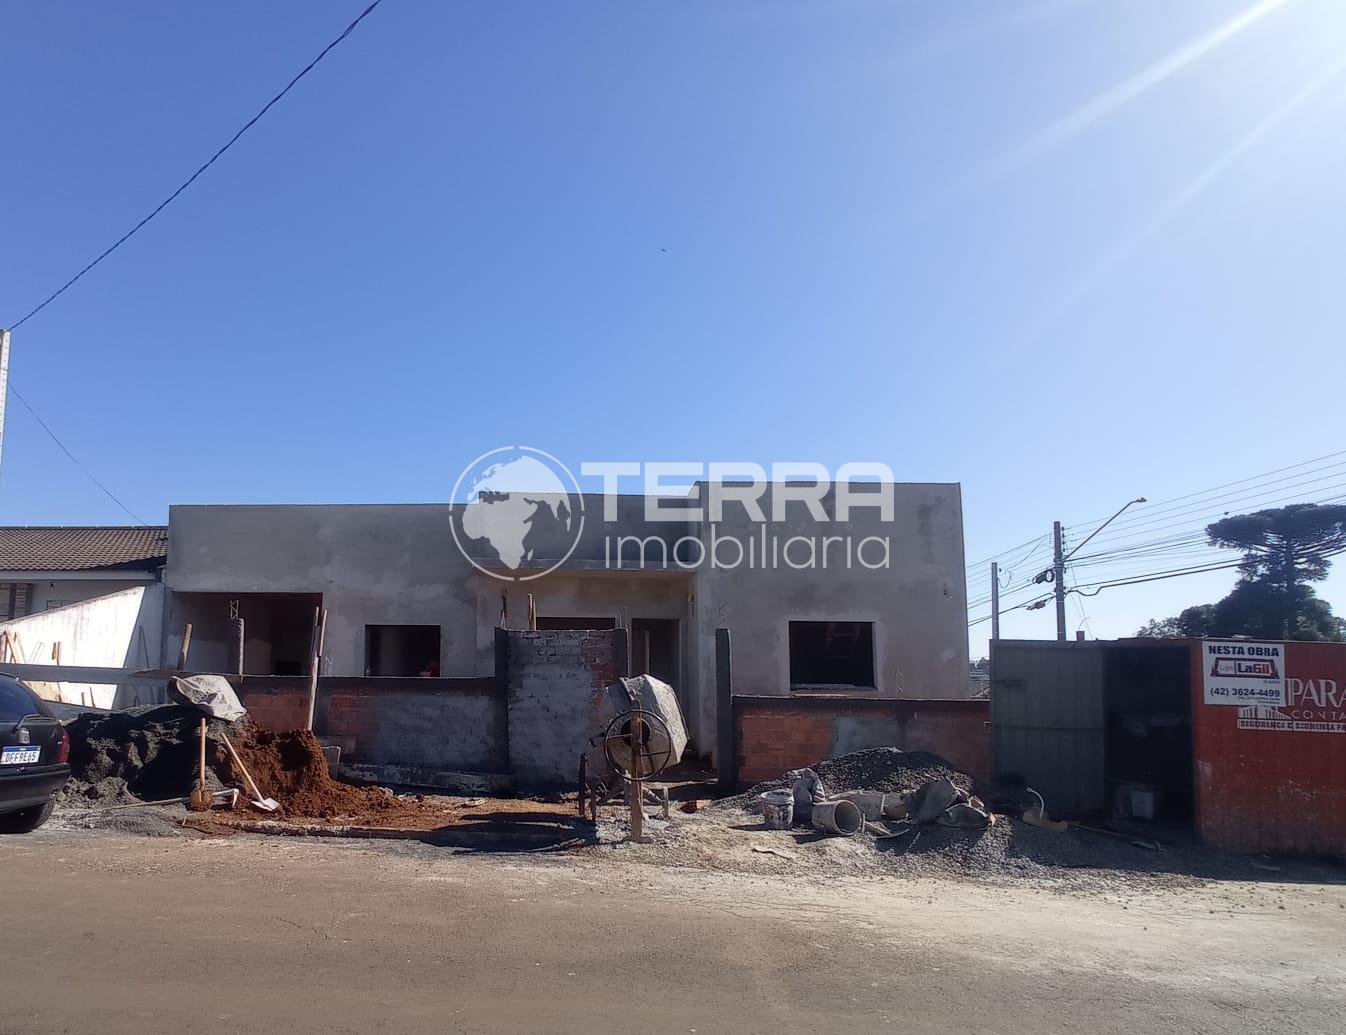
<point>201,799</point>
<point>258,800</point>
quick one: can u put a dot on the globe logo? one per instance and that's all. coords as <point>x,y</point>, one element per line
<point>521,516</point>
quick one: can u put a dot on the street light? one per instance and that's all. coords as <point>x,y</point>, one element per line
<point>1057,572</point>
<point>1105,524</point>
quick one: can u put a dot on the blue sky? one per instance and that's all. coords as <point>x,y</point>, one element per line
<point>1063,252</point>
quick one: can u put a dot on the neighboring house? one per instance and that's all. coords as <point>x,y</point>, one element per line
<point>979,678</point>
<point>83,596</point>
<point>42,567</point>
<point>402,600</point>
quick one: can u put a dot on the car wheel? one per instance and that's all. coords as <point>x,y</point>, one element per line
<point>26,819</point>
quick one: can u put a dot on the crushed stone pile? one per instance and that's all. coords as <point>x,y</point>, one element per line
<point>147,753</point>
<point>875,769</point>
<point>730,835</point>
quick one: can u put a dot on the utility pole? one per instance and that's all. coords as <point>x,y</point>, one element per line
<point>1059,580</point>
<point>4,383</point>
<point>1057,572</point>
<point>995,601</point>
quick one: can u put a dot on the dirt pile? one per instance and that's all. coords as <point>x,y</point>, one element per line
<point>289,766</point>
<point>151,753</point>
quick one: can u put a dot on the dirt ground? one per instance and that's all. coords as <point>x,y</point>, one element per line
<point>114,932</point>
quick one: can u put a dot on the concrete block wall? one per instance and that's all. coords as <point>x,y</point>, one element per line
<point>556,684</point>
<point>437,724</point>
<point>773,735</point>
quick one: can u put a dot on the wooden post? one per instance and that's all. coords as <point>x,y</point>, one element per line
<point>239,640</point>
<point>637,785</point>
<point>186,643</point>
<point>726,751</point>
<point>319,635</point>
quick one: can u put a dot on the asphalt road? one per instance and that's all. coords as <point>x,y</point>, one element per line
<point>129,934</point>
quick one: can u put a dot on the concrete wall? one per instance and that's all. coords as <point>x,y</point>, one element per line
<point>556,687</point>
<point>775,735</point>
<point>119,630</point>
<point>918,604</point>
<point>373,565</point>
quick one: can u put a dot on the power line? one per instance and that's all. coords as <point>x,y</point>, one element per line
<point>1240,481</point>
<point>108,492</point>
<point>995,556</point>
<point>1223,504</point>
<point>1173,545</point>
<point>131,233</point>
<point>192,178</point>
<point>1201,520</point>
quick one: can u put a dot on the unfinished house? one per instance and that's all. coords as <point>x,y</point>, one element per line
<point>403,600</point>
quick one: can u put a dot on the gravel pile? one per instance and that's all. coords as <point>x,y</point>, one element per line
<point>876,769</point>
<point>140,754</point>
<point>730,835</point>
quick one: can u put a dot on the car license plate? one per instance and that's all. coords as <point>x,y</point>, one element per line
<point>20,755</point>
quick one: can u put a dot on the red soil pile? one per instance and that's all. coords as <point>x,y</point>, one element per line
<point>289,766</point>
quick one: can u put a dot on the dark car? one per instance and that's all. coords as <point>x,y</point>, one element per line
<point>34,758</point>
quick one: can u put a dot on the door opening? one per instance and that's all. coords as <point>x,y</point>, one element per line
<point>654,648</point>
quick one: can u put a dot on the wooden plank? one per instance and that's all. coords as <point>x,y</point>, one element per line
<point>85,674</point>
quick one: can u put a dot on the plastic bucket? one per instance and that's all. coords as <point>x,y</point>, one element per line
<point>838,817</point>
<point>778,809</point>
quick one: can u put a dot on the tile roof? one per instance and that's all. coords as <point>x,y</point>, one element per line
<point>83,548</point>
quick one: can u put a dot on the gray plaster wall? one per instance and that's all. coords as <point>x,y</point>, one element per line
<point>917,604</point>
<point>372,564</point>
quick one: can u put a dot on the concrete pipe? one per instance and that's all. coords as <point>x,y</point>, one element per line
<point>838,817</point>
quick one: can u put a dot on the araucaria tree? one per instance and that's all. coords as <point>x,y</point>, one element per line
<point>1284,550</point>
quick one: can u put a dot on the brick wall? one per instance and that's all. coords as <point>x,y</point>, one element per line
<point>773,734</point>
<point>557,680</point>
<point>282,707</point>
<point>534,723</point>
<point>444,724</point>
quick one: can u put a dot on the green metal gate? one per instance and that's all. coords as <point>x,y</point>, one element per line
<point>1047,715</point>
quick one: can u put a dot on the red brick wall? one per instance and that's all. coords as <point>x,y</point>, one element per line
<point>277,708</point>
<point>776,734</point>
